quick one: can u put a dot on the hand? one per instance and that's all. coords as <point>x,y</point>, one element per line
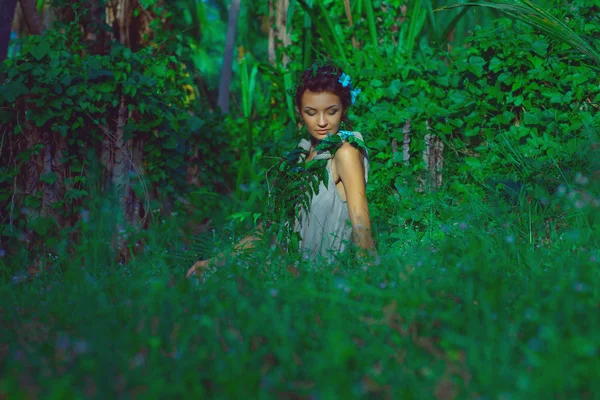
<point>199,268</point>
<point>370,259</point>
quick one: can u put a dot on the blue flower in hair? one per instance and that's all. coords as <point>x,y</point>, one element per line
<point>354,93</point>
<point>346,134</point>
<point>345,79</point>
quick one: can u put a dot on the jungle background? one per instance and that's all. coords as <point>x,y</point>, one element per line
<point>138,136</point>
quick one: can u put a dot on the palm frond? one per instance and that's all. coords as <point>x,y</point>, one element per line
<point>539,18</point>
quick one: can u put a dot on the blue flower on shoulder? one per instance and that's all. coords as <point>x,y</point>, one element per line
<point>346,134</point>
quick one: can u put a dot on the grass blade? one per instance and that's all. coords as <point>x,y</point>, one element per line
<point>325,33</point>
<point>371,20</point>
<point>290,16</point>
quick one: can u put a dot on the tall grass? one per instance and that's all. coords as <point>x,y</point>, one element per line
<point>470,309</point>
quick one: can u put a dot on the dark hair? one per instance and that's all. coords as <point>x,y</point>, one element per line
<point>324,79</point>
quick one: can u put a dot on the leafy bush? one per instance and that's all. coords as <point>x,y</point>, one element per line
<point>96,122</point>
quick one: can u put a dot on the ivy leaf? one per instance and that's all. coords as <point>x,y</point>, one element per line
<point>353,140</point>
<point>194,123</point>
<point>540,47</point>
<point>39,51</point>
<point>473,162</point>
<point>49,178</point>
<point>41,225</point>
<point>495,64</point>
<point>11,91</point>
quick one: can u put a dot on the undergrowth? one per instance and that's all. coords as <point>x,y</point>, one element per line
<point>487,305</point>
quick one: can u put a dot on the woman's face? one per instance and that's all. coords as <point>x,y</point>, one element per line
<point>322,113</point>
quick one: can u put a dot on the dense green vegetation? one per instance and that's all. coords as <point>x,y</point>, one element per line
<point>118,171</point>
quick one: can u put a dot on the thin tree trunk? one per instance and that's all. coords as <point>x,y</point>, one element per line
<point>224,86</point>
<point>120,177</point>
<point>32,17</point>
<point>350,23</point>
<point>271,39</point>
<point>49,190</point>
<point>433,157</point>
<point>277,30</point>
<point>280,23</point>
<point>406,143</point>
<point>7,13</point>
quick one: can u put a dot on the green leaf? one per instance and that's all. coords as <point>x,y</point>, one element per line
<point>32,201</point>
<point>11,91</point>
<point>505,77</point>
<point>194,123</point>
<point>49,177</point>
<point>540,47</point>
<point>41,225</point>
<point>473,162</point>
<point>477,61</point>
<point>496,64</point>
<point>39,51</point>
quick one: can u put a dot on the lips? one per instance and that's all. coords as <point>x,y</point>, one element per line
<point>322,132</point>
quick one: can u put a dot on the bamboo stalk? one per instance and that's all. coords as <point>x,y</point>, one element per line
<point>350,23</point>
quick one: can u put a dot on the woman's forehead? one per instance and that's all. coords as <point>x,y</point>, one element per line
<point>320,99</point>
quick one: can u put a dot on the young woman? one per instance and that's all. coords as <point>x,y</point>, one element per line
<point>323,97</point>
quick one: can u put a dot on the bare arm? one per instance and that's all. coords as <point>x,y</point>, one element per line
<point>349,165</point>
<point>246,243</point>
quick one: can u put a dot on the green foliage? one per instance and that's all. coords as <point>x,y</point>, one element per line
<point>482,311</point>
<point>71,97</point>
<point>479,292</point>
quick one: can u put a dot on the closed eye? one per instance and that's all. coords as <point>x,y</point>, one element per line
<point>313,113</point>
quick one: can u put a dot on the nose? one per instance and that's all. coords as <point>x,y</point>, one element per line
<point>322,121</point>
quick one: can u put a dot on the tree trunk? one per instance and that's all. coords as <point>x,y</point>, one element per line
<point>277,30</point>
<point>433,157</point>
<point>350,22</point>
<point>406,143</point>
<point>7,13</point>
<point>224,85</point>
<point>50,189</point>
<point>32,17</point>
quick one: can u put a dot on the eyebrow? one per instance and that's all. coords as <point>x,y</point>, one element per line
<point>335,105</point>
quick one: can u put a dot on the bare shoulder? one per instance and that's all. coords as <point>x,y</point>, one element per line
<point>347,153</point>
<point>348,160</point>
